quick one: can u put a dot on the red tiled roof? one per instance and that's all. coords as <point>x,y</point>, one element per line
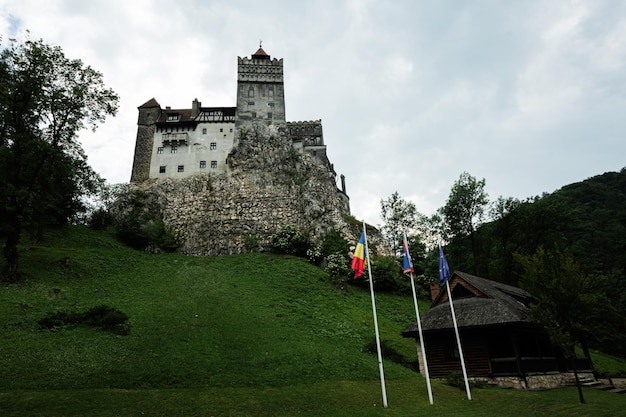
<point>260,51</point>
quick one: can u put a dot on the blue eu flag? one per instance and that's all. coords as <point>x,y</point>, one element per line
<point>444,269</point>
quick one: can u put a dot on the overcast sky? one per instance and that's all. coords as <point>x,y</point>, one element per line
<point>529,95</point>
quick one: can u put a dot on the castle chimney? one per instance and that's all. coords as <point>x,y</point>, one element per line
<point>434,290</point>
<point>195,108</point>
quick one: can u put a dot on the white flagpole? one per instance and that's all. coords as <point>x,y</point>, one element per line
<point>380,356</point>
<point>458,341</point>
<point>419,328</point>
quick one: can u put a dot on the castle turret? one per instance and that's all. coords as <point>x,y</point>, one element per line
<point>149,113</point>
<point>260,90</point>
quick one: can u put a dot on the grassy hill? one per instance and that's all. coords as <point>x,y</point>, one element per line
<point>255,334</point>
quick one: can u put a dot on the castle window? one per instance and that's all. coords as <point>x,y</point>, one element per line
<point>251,92</point>
<point>213,146</point>
<point>160,149</point>
<point>181,168</point>
<point>202,164</point>
<point>172,117</point>
<point>270,104</point>
<point>254,115</point>
<point>270,92</point>
<point>204,130</point>
<point>213,164</point>
<point>221,129</point>
<point>251,103</point>
<point>174,149</point>
<point>162,169</point>
<point>231,130</point>
<point>269,115</point>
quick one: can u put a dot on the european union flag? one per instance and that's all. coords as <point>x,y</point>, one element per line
<point>444,269</point>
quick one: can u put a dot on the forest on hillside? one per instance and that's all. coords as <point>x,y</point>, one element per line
<point>585,221</point>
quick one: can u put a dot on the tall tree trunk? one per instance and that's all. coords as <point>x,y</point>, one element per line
<point>581,398</point>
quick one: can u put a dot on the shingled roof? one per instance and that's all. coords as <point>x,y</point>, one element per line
<point>150,103</point>
<point>260,54</point>
<point>491,303</point>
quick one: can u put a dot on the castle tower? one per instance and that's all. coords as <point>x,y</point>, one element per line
<point>260,90</point>
<point>149,113</point>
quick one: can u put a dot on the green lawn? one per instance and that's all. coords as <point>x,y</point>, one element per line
<point>255,334</point>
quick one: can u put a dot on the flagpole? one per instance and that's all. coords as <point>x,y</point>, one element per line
<point>458,342</point>
<point>419,326</point>
<point>378,350</point>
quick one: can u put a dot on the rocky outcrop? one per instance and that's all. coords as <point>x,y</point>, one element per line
<point>268,185</point>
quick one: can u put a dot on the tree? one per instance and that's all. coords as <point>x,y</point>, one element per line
<point>464,209</point>
<point>400,216</point>
<point>503,234</point>
<point>565,297</point>
<point>45,100</point>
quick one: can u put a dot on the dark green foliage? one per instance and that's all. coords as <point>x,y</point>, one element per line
<point>100,219</point>
<point>290,241</point>
<point>334,242</point>
<point>58,319</point>
<point>102,317</point>
<point>139,223</point>
<point>386,273</point>
<point>338,267</point>
<point>45,100</point>
<point>334,253</point>
<point>399,217</point>
<point>464,211</point>
<point>251,242</point>
<point>564,296</point>
<point>586,219</point>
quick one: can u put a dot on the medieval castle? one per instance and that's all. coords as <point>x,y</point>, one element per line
<point>178,143</point>
<point>221,175</point>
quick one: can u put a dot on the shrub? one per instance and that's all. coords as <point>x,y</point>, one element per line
<point>334,242</point>
<point>102,317</point>
<point>106,318</point>
<point>251,242</point>
<point>314,255</point>
<point>58,319</point>
<point>386,272</point>
<point>291,241</point>
<point>338,267</point>
<point>139,223</point>
<point>100,219</point>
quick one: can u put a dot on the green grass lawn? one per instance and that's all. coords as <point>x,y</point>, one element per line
<point>254,334</point>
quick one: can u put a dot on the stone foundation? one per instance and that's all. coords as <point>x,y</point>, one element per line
<point>537,382</point>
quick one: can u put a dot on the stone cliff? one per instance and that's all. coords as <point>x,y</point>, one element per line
<point>268,185</point>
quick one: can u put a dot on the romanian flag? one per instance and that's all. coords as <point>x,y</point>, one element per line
<point>407,265</point>
<point>359,260</point>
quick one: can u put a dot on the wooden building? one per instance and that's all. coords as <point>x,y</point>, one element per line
<point>500,342</point>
